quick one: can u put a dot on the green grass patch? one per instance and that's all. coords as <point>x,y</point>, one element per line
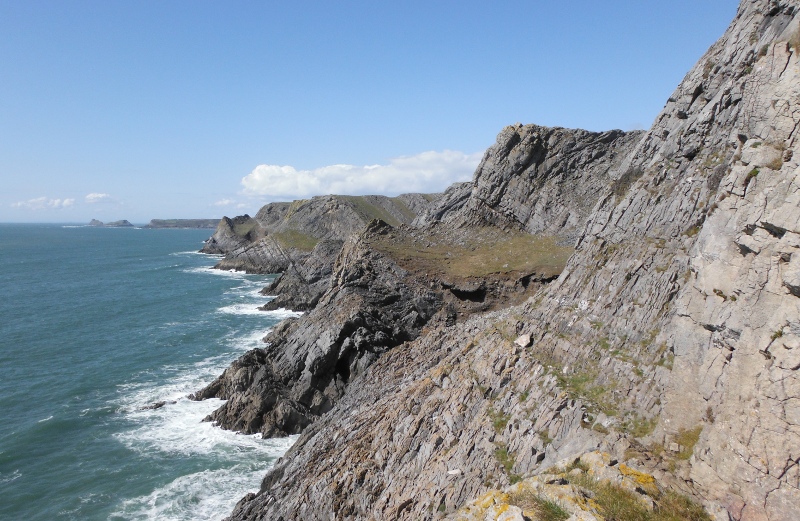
<point>369,211</point>
<point>540,507</point>
<point>242,229</point>
<point>617,504</point>
<point>506,460</point>
<point>687,439</point>
<point>485,252</point>
<point>639,427</point>
<point>583,385</point>
<point>401,205</point>
<point>296,239</point>
<point>499,420</point>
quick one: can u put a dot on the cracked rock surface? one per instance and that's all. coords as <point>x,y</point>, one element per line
<point>670,338</point>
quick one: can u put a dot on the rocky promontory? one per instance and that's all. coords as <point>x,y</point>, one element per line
<point>301,239</point>
<point>479,363</point>
<point>182,223</point>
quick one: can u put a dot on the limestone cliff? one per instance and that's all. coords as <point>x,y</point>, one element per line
<point>283,235</point>
<point>669,341</point>
<point>537,179</point>
<point>387,283</point>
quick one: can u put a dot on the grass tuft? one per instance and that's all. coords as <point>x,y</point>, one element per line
<point>617,504</point>
<point>542,508</point>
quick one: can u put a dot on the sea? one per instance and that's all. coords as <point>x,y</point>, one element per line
<point>97,324</point>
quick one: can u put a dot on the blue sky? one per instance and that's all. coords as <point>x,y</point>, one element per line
<point>140,110</point>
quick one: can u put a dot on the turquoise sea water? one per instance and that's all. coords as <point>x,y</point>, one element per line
<point>95,324</point>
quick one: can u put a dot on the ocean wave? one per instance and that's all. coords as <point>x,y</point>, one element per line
<point>177,428</point>
<point>282,313</point>
<point>209,494</point>
<point>16,474</point>
<point>195,252</point>
<point>209,270</point>
<point>249,308</point>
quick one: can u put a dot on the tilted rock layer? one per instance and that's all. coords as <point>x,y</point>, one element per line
<point>281,235</point>
<point>671,337</point>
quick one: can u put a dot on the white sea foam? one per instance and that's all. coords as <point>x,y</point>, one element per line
<point>177,428</point>
<point>249,308</point>
<point>8,478</point>
<point>282,313</point>
<point>45,419</point>
<point>211,271</point>
<point>195,252</point>
<point>210,494</point>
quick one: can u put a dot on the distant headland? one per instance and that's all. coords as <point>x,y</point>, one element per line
<point>160,223</point>
<point>183,223</point>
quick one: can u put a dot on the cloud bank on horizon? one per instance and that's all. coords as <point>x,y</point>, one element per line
<point>426,172</point>
<point>43,203</point>
<point>38,204</point>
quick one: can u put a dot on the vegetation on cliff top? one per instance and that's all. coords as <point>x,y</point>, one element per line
<point>484,252</point>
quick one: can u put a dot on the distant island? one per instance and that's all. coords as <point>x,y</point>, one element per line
<point>115,224</point>
<point>183,223</point>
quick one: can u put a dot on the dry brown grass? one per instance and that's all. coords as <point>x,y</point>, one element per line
<point>484,252</point>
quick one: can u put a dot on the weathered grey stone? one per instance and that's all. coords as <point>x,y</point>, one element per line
<point>673,321</point>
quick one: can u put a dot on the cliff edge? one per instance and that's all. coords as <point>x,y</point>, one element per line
<point>668,344</point>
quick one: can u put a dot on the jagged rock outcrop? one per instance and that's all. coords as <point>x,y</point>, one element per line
<point>233,234</point>
<point>282,236</point>
<point>300,287</point>
<point>463,269</point>
<point>377,301</point>
<point>669,337</point>
<point>538,179</point>
<point>372,307</point>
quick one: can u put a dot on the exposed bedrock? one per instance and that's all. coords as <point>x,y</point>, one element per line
<point>282,236</point>
<point>371,307</point>
<point>397,279</point>
<point>668,341</point>
<point>539,179</point>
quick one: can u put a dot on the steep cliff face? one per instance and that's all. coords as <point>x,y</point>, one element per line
<point>372,307</point>
<point>538,179</point>
<point>668,341</point>
<point>282,236</point>
<point>386,285</point>
<point>475,266</point>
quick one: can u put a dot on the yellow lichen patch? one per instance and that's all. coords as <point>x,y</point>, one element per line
<point>499,509</point>
<point>491,498</point>
<point>645,481</point>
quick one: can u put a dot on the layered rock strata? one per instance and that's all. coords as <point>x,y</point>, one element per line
<point>471,267</point>
<point>669,336</point>
<point>282,236</point>
<point>538,179</point>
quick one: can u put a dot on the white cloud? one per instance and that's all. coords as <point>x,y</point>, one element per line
<point>426,172</point>
<point>43,203</point>
<point>97,198</point>
<point>224,202</point>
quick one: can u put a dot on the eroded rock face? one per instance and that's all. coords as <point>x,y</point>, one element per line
<point>371,307</point>
<point>283,236</point>
<point>671,332</point>
<point>538,179</point>
<point>233,234</point>
<point>302,284</point>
